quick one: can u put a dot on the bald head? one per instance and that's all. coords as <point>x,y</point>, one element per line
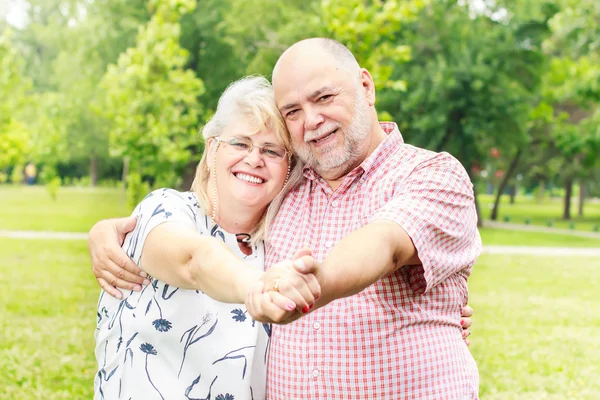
<point>323,50</point>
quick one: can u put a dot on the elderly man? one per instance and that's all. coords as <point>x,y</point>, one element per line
<point>395,228</point>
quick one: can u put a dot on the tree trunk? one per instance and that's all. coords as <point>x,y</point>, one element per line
<point>505,179</point>
<point>477,208</point>
<point>568,193</point>
<point>513,192</point>
<point>94,170</point>
<point>125,172</point>
<point>581,198</point>
<point>541,191</point>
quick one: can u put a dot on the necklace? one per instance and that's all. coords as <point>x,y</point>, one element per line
<point>243,238</point>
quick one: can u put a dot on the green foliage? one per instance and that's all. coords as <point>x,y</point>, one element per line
<point>17,175</point>
<point>14,136</point>
<point>151,99</point>
<point>461,76</point>
<point>369,30</point>
<point>136,189</point>
<point>470,83</point>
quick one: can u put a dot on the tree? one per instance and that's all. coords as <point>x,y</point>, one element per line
<point>469,84</point>
<point>14,136</point>
<point>573,87</point>
<point>151,100</point>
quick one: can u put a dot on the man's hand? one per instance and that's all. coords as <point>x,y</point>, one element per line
<point>284,295</point>
<point>466,322</point>
<point>110,264</point>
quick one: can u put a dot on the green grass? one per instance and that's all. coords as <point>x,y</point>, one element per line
<point>75,210</point>
<point>47,320</point>
<point>523,238</point>
<point>535,334</point>
<point>536,327</point>
<point>539,214</point>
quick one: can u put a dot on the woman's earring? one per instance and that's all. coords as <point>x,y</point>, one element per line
<point>214,210</point>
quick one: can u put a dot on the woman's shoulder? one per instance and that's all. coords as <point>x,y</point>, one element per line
<point>172,197</point>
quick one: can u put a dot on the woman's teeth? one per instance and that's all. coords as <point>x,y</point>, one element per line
<point>248,178</point>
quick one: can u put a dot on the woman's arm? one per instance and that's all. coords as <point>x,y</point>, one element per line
<point>176,254</point>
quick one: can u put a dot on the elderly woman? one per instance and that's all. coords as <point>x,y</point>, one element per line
<point>188,335</point>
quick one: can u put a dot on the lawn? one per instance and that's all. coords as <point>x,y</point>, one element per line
<point>537,327</point>
<point>539,214</point>
<point>75,210</point>
<point>523,238</point>
<point>47,320</point>
<point>535,336</point>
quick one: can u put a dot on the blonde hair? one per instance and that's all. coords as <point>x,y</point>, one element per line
<point>253,98</point>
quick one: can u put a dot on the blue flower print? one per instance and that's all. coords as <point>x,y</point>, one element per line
<point>238,315</point>
<point>225,396</point>
<point>148,349</point>
<point>162,325</point>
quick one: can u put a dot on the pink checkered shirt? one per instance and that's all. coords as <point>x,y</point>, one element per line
<point>399,338</point>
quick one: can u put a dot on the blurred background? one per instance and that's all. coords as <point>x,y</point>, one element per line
<point>101,101</point>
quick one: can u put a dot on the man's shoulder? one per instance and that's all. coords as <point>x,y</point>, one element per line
<point>418,157</point>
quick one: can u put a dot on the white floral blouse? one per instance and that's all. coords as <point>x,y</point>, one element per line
<point>170,343</point>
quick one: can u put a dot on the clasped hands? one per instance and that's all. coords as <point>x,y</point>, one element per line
<point>287,291</point>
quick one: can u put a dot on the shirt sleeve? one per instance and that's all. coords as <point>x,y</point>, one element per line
<point>162,205</point>
<point>435,206</point>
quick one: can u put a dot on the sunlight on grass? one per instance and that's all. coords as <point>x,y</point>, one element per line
<point>75,210</point>
<point>535,334</point>
<point>536,331</point>
<point>523,238</point>
<point>47,320</point>
<point>527,208</point>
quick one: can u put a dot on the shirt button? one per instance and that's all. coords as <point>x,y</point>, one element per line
<point>315,373</point>
<point>316,325</point>
<point>328,244</point>
<point>334,203</point>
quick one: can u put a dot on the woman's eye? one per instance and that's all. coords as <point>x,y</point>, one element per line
<point>274,152</point>
<point>241,145</point>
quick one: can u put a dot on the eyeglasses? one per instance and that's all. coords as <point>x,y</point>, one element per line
<point>243,146</point>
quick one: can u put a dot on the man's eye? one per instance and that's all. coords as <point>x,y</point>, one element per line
<point>324,98</point>
<point>291,113</point>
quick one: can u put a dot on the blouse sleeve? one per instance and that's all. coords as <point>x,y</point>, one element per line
<point>162,205</point>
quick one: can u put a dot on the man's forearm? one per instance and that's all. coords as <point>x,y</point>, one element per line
<point>363,257</point>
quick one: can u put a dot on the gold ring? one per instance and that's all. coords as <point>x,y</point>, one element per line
<point>276,285</point>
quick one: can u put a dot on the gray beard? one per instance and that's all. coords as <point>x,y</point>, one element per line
<point>354,139</point>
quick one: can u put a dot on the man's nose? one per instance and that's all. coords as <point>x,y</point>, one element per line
<point>312,119</point>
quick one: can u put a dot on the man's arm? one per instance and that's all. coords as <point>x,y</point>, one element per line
<point>363,257</point>
<point>111,266</point>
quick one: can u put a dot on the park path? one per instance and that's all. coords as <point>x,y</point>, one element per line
<point>537,228</point>
<point>517,250</point>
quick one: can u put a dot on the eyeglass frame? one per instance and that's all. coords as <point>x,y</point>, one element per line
<point>260,148</point>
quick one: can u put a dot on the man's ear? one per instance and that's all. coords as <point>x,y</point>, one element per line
<point>366,81</point>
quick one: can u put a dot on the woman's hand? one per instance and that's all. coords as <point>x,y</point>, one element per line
<point>283,294</point>
<point>466,322</point>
